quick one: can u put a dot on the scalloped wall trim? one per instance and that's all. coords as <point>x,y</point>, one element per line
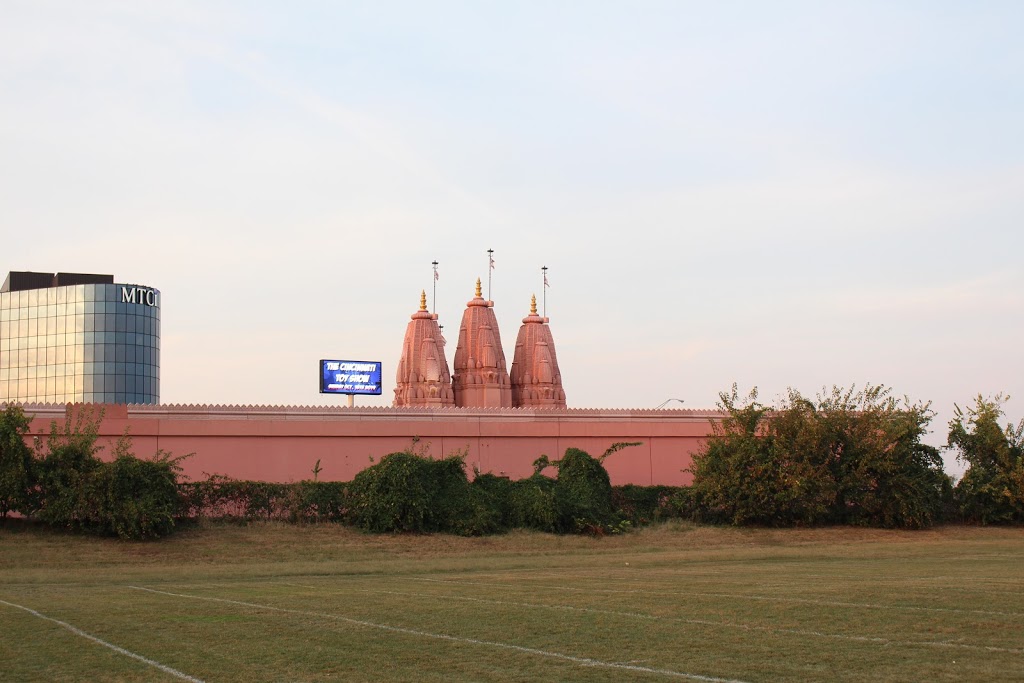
<point>285,411</point>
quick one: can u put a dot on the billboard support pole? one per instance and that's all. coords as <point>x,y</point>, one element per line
<point>351,400</point>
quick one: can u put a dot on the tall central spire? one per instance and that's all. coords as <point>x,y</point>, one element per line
<point>481,378</point>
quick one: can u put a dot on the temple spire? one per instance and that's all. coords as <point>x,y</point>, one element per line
<point>423,378</point>
<point>480,378</point>
<point>535,377</point>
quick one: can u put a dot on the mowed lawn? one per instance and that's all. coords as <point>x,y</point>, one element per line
<point>271,602</point>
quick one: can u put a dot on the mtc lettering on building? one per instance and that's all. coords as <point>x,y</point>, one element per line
<point>140,295</point>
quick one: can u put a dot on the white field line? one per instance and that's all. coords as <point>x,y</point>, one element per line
<point>704,622</point>
<point>115,648</point>
<point>924,582</point>
<point>582,661</point>
<point>765,598</point>
<point>785,571</point>
<point>920,583</point>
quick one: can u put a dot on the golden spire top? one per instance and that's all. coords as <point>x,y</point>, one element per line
<point>423,299</point>
<point>533,304</point>
<point>479,292</point>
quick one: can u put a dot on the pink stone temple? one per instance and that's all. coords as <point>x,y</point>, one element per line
<point>481,379</point>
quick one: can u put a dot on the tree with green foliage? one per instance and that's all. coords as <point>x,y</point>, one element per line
<point>577,500</point>
<point>408,492</point>
<point>762,466</point>
<point>16,470</point>
<point>851,457</point>
<point>134,498</point>
<point>66,462</point>
<point>583,494</point>
<point>127,497</point>
<point>885,475</point>
<point>992,489</point>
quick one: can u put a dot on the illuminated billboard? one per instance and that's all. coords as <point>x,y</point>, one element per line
<point>350,377</point>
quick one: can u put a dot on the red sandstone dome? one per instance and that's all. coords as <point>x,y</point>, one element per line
<point>423,377</point>
<point>481,378</point>
<point>536,379</point>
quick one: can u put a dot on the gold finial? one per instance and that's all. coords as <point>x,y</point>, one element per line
<point>479,292</point>
<point>423,299</point>
<point>533,304</point>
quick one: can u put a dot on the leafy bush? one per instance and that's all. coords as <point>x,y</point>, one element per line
<point>992,489</point>
<point>532,504</point>
<point>64,496</point>
<point>578,500</point>
<point>885,476</point>
<point>16,465</point>
<point>854,457</point>
<point>410,493</point>
<point>127,497</point>
<point>583,494</point>
<point>133,498</point>
<point>220,497</point>
<point>642,505</point>
<point>319,501</point>
<point>491,498</point>
<point>756,470</point>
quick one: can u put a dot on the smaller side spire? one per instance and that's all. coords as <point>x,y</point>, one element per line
<point>535,377</point>
<point>423,376</point>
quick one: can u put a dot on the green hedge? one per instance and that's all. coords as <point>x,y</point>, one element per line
<point>408,493</point>
<point>219,497</point>
<point>642,505</point>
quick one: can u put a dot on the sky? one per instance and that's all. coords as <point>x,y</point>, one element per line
<point>785,194</point>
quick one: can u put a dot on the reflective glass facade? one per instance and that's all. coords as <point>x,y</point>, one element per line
<point>80,343</point>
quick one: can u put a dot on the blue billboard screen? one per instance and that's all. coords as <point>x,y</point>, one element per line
<point>350,377</point>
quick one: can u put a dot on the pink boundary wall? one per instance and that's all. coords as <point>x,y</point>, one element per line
<point>282,444</point>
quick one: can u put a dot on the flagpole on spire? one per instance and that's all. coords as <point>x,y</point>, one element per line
<point>544,270</point>
<point>490,268</point>
<point>434,263</point>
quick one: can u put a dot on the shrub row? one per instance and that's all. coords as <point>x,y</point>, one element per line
<point>406,492</point>
<point>854,457</point>
<point>848,458</point>
<point>66,486</point>
<point>219,497</point>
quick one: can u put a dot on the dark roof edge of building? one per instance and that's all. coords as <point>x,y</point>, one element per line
<point>21,280</point>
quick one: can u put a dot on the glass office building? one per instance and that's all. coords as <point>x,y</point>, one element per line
<point>76,337</point>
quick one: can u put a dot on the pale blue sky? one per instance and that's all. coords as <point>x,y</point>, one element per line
<point>778,194</point>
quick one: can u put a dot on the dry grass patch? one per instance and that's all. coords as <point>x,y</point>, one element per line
<point>318,603</point>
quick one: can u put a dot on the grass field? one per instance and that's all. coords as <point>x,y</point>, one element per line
<point>283,603</point>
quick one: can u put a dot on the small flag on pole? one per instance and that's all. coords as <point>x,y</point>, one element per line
<point>546,280</point>
<point>491,261</point>
<point>436,276</point>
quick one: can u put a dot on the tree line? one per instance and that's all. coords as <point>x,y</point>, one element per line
<point>856,457</point>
